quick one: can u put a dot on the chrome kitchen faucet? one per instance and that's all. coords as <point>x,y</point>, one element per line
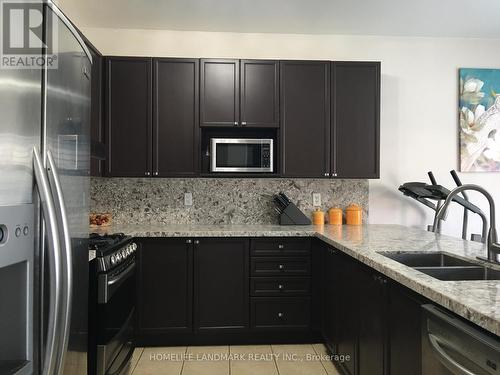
<point>492,242</point>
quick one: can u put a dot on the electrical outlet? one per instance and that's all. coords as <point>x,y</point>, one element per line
<point>188,199</point>
<point>316,199</point>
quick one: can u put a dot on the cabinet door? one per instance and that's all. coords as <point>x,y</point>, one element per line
<point>305,118</point>
<point>259,93</point>
<point>175,123</point>
<point>355,119</point>
<point>221,284</point>
<point>405,329</point>
<point>330,301</point>
<point>165,287</point>
<point>347,310</point>
<point>128,118</point>
<point>96,111</point>
<point>219,92</point>
<point>372,336</point>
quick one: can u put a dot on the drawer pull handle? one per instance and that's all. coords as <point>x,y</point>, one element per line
<point>281,267</point>
<point>281,246</point>
<point>281,315</point>
<point>280,286</point>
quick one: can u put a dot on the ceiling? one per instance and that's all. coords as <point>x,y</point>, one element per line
<point>434,18</point>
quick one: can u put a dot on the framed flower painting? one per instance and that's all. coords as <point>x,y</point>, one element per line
<point>479,111</point>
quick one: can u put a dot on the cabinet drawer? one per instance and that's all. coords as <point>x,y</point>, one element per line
<point>280,246</point>
<point>275,313</point>
<point>279,266</point>
<point>280,286</point>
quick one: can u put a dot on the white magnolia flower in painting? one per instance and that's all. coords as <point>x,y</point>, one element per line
<point>470,90</point>
<point>481,133</point>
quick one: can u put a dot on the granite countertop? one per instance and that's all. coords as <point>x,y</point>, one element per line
<point>477,301</point>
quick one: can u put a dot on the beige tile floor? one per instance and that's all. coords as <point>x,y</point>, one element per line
<point>233,360</point>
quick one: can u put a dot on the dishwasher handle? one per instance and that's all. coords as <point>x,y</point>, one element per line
<point>446,359</point>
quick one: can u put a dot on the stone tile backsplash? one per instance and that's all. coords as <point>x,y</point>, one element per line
<point>216,200</point>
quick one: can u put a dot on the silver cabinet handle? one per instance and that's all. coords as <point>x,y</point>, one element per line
<point>327,174</point>
<point>446,359</point>
<point>281,246</point>
<point>50,219</point>
<point>156,173</point>
<point>280,286</point>
<point>236,123</point>
<point>189,241</point>
<point>281,267</point>
<point>280,315</point>
<point>243,123</point>
<point>67,262</point>
<point>196,242</point>
<point>147,173</point>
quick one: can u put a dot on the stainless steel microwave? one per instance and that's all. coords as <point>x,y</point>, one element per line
<point>241,155</point>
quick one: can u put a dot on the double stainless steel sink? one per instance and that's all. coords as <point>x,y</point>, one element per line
<point>444,266</point>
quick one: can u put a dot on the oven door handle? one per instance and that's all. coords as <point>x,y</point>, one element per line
<point>122,276</point>
<point>107,286</point>
<point>126,361</point>
<point>449,362</point>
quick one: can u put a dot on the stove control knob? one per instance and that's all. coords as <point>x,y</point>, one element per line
<point>118,257</point>
<point>134,246</point>
<point>113,259</point>
<point>124,254</point>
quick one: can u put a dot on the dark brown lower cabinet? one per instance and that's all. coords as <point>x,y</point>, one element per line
<point>165,287</point>
<point>404,320</point>
<point>221,285</point>
<point>372,326</point>
<point>371,319</point>
<point>212,291</point>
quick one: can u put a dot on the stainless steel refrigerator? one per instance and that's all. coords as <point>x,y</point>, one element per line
<point>44,195</point>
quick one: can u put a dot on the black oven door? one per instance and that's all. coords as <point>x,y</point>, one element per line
<point>115,320</point>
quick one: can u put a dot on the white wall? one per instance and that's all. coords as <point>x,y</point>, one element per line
<point>419,130</point>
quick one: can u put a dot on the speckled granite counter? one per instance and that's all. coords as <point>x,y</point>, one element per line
<point>477,301</point>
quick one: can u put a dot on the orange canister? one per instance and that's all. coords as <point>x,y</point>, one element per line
<point>318,217</point>
<point>335,216</point>
<point>353,215</point>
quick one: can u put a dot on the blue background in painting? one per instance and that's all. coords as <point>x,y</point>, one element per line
<point>491,79</point>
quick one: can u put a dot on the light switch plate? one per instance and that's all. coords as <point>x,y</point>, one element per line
<point>188,199</point>
<point>316,199</point>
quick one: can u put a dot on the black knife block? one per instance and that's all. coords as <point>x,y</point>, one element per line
<point>291,215</point>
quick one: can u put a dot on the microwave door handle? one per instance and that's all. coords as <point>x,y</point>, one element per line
<point>54,253</point>
<point>446,359</point>
<point>67,262</point>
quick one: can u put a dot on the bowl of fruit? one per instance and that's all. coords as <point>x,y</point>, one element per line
<point>100,220</point>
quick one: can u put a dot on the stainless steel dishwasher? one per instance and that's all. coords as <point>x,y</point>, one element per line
<point>451,346</point>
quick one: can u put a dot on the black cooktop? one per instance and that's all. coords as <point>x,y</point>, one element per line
<point>106,243</point>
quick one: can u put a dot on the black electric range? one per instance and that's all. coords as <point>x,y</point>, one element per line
<point>112,303</point>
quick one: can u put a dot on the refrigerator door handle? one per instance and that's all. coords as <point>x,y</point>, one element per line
<point>67,262</point>
<point>54,258</point>
<point>70,26</point>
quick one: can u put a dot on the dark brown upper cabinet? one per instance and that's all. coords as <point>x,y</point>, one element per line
<point>239,93</point>
<point>355,119</point>
<point>219,92</point>
<point>305,118</point>
<point>259,93</point>
<point>128,116</point>
<point>175,119</point>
